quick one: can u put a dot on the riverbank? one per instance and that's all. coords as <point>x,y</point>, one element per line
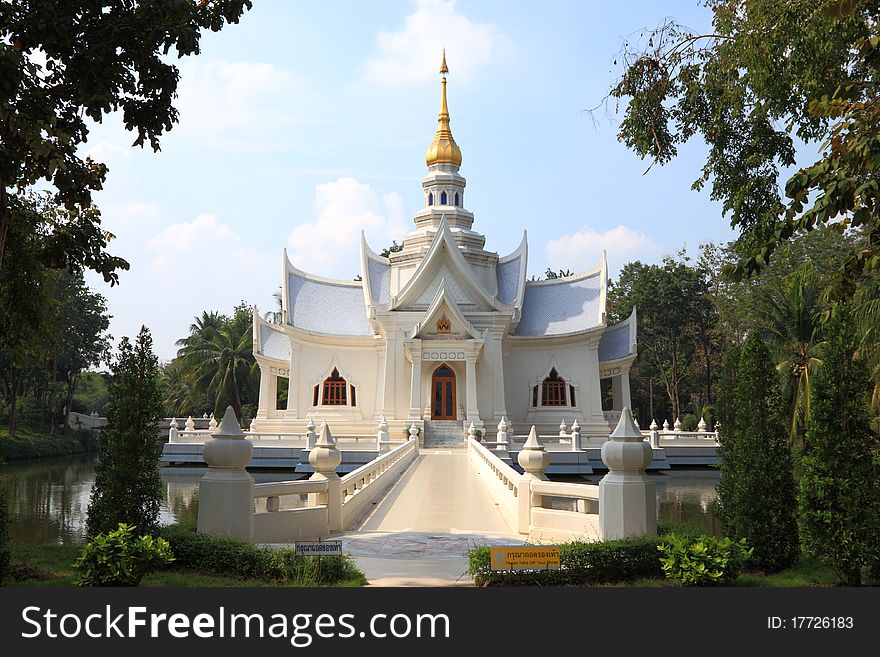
<point>28,444</point>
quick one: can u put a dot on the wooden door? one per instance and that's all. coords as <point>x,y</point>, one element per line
<point>443,394</point>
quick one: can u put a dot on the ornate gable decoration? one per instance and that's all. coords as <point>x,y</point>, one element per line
<point>443,325</point>
<point>443,320</point>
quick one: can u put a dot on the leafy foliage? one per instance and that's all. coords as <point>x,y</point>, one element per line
<point>229,556</point>
<point>121,558</point>
<point>702,561</point>
<point>581,564</point>
<point>756,490</point>
<point>840,488</point>
<point>128,488</point>
<point>62,64</point>
<point>766,74</point>
<point>5,560</point>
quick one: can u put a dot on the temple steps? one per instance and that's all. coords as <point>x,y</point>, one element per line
<point>443,433</point>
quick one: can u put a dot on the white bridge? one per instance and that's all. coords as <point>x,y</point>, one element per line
<point>471,491</point>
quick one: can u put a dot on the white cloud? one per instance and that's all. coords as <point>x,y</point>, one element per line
<point>412,52</point>
<point>583,249</point>
<point>235,105</point>
<point>330,245</point>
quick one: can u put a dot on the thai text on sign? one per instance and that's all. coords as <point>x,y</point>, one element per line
<point>524,558</point>
<point>319,549</point>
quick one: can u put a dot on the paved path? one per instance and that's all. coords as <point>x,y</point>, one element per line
<point>419,533</point>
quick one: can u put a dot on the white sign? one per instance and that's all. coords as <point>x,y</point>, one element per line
<point>319,549</point>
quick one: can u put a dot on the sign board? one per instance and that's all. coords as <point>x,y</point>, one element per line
<point>525,558</point>
<point>319,548</point>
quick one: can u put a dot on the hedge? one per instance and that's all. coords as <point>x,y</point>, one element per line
<point>28,445</point>
<point>232,557</point>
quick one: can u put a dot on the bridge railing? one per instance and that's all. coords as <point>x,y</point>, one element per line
<point>531,505</point>
<point>623,504</point>
<point>231,504</point>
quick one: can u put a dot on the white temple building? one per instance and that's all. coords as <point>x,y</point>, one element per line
<point>443,333</point>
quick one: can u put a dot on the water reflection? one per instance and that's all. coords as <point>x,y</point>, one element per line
<point>48,498</point>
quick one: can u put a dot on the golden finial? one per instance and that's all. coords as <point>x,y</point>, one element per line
<point>443,149</point>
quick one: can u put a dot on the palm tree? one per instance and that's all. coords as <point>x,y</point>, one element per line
<point>866,312</point>
<point>788,313</point>
<point>274,316</point>
<point>224,366</point>
<point>203,329</point>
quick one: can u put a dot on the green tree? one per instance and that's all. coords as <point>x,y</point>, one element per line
<point>673,309</point>
<point>756,490</point>
<point>62,64</point>
<point>128,488</point>
<point>840,488</point>
<point>766,74</point>
<point>4,534</point>
<point>788,311</point>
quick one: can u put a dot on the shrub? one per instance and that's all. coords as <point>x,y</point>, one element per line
<point>232,557</point>
<point>839,490</point>
<point>702,561</point>
<point>4,535</point>
<point>128,488</point>
<point>756,490</point>
<point>689,422</point>
<point>120,558</point>
<point>580,564</point>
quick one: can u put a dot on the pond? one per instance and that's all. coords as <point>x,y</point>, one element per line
<point>48,498</point>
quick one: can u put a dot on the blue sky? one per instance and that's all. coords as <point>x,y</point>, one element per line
<point>309,121</point>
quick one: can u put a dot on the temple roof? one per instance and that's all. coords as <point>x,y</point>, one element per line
<point>619,341</point>
<point>270,340</point>
<point>562,306</point>
<point>376,272</point>
<point>511,274</point>
<point>323,305</point>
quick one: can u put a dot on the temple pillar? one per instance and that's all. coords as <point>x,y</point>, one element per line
<point>472,412</point>
<point>415,392</point>
<point>593,406</point>
<point>265,400</point>
<point>293,380</point>
<point>620,391</point>
<point>500,408</point>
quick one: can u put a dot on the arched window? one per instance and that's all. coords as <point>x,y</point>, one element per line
<point>431,198</point>
<point>442,198</point>
<point>456,199</point>
<point>553,390</point>
<point>335,390</point>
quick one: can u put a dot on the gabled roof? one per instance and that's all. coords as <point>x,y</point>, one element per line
<point>511,274</point>
<point>323,305</point>
<point>444,261</point>
<point>443,305</point>
<point>270,340</point>
<point>563,306</point>
<point>376,272</point>
<point>619,341</point>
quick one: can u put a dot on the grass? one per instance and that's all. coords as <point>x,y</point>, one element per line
<point>27,444</point>
<point>47,565</point>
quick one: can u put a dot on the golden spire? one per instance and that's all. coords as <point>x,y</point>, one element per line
<point>443,148</point>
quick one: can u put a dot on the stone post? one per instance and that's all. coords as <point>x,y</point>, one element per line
<point>627,496</point>
<point>311,436</point>
<point>665,425</point>
<point>190,424</point>
<point>655,434</point>
<point>701,425</point>
<point>472,431</point>
<point>212,425</point>
<point>172,431</point>
<point>382,435</point>
<point>502,436</point>
<point>563,430</point>
<point>325,458</point>
<point>677,426</point>
<point>575,436</point>
<point>413,432</point>
<point>533,459</point>
<point>226,493</point>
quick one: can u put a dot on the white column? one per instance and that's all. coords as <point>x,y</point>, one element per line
<point>472,412</point>
<point>500,409</point>
<point>415,392</point>
<point>617,393</point>
<point>391,352</point>
<point>624,389</point>
<point>293,381</point>
<point>265,401</point>
<point>593,406</point>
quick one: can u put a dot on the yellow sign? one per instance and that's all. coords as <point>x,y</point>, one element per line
<point>525,558</point>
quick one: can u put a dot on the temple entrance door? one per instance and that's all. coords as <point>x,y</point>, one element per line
<point>443,394</point>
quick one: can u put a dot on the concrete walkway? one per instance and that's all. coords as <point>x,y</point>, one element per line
<point>419,533</point>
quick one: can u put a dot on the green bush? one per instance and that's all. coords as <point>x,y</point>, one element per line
<point>702,561</point>
<point>756,490</point>
<point>232,557</point>
<point>839,491</point>
<point>27,445</point>
<point>580,564</point>
<point>4,535</point>
<point>121,558</point>
<point>689,422</point>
